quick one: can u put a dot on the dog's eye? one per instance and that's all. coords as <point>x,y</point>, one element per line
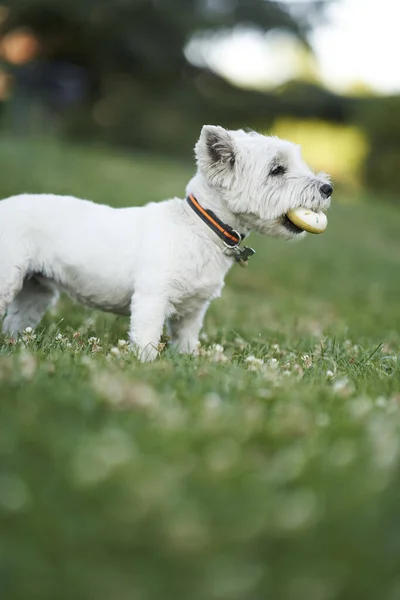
<point>278,170</point>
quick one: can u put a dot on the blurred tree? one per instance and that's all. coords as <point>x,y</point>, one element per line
<point>141,89</point>
<point>379,117</point>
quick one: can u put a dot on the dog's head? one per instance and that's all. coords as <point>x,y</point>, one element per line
<point>260,178</point>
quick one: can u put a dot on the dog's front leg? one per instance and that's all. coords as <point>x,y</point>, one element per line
<point>147,320</point>
<point>184,330</point>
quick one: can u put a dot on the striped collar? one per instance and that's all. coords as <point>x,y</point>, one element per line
<point>230,237</point>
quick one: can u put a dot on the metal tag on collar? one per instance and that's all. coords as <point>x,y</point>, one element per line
<point>242,255</point>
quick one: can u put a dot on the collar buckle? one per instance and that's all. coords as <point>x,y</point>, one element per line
<point>233,246</point>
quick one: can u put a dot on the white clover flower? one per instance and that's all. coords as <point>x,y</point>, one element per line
<point>215,353</point>
<point>343,387</point>
<point>306,360</point>
<point>250,358</point>
<point>95,344</point>
<point>219,357</point>
<point>330,374</point>
<point>115,351</point>
<point>340,384</point>
<point>122,344</point>
<point>273,363</point>
<point>276,349</point>
<point>28,335</point>
<point>217,348</point>
<point>253,363</point>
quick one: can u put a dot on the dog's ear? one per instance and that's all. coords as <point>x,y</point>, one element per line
<point>216,155</point>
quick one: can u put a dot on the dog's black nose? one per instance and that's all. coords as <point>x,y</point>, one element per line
<point>326,190</point>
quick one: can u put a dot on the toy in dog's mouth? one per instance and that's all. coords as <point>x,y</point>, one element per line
<point>289,226</point>
<point>300,219</point>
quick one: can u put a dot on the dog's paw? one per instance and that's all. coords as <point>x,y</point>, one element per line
<point>147,354</point>
<point>186,347</point>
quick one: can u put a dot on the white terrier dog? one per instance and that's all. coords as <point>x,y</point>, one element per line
<point>163,261</point>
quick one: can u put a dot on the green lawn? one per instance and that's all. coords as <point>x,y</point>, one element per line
<point>267,469</point>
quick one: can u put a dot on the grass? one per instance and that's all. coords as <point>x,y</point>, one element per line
<point>266,469</point>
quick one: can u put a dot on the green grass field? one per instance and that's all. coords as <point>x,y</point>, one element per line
<point>266,469</point>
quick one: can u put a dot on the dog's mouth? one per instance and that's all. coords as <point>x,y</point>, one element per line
<point>289,226</point>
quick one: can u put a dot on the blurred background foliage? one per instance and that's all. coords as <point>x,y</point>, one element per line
<point>138,74</point>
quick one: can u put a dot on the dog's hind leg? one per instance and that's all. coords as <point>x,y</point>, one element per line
<point>11,281</point>
<point>184,330</point>
<point>29,305</point>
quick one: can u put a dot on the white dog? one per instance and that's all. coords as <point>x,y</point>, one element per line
<point>163,261</point>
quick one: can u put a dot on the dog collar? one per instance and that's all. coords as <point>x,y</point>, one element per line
<point>230,237</point>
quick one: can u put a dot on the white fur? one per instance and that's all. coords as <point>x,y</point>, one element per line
<point>158,262</point>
